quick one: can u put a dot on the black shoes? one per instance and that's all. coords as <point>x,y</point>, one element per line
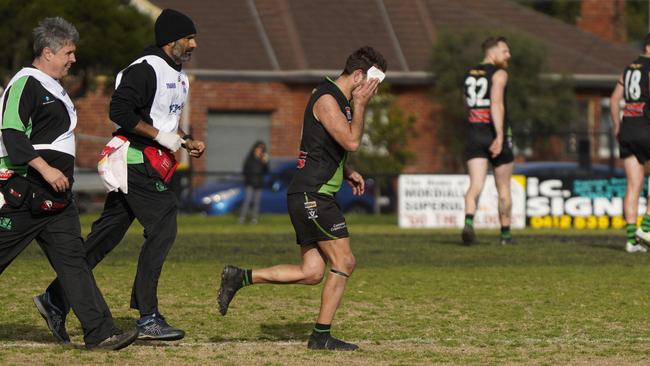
<point>468,235</point>
<point>155,328</point>
<point>232,279</point>
<point>116,341</point>
<point>326,341</point>
<point>53,316</point>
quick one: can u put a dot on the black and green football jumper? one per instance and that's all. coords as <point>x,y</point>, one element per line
<point>314,213</point>
<point>31,115</point>
<point>634,136</point>
<point>481,131</point>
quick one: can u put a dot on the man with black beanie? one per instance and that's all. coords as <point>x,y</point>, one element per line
<point>147,103</point>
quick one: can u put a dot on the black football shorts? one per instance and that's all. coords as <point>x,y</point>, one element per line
<point>478,146</point>
<point>316,217</point>
<point>634,139</point>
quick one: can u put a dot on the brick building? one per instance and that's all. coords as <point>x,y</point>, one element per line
<point>257,62</point>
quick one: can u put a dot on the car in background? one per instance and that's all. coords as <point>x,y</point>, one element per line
<point>566,170</point>
<point>222,197</point>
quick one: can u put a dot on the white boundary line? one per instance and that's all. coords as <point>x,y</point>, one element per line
<point>415,341</point>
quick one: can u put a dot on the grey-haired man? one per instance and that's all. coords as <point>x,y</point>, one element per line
<point>37,153</point>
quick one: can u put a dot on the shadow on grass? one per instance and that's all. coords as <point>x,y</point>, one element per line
<point>286,331</point>
<point>25,332</point>
<point>124,322</point>
<point>273,333</point>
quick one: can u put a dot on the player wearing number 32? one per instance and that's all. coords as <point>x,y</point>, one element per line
<point>633,135</point>
<point>489,137</point>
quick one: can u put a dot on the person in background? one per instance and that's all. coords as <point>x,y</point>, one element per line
<point>634,137</point>
<point>489,138</point>
<point>255,166</point>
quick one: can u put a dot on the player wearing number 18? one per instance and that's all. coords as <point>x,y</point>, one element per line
<point>489,138</point>
<point>633,135</point>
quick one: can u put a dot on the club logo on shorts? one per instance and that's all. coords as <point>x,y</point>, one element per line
<point>160,186</point>
<point>339,226</point>
<point>310,207</point>
<point>5,223</point>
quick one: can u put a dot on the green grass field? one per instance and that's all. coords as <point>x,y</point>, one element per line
<point>417,297</point>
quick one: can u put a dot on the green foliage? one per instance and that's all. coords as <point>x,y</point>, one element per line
<point>566,10</point>
<point>387,131</point>
<point>636,14</point>
<point>111,33</point>
<point>636,19</point>
<point>536,105</point>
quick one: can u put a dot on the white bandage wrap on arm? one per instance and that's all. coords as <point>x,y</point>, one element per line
<point>170,140</point>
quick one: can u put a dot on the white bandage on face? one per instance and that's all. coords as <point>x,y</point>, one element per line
<point>375,73</point>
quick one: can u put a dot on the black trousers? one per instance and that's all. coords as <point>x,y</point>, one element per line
<point>155,207</point>
<point>59,236</point>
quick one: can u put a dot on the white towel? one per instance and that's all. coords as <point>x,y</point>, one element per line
<point>112,165</point>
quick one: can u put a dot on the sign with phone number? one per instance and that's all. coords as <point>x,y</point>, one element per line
<point>437,201</point>
<point>577,203</point>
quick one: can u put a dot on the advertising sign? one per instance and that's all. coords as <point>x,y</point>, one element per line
<point>437,201</point>
<point>577,203</point>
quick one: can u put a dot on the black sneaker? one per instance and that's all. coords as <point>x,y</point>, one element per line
<point>116,341</point>
<point>326,341</point>
<point>468,235</point>
<point>53,316</point>
<point>507,240</point>
<point>232,279</point>
<point>155,328</point>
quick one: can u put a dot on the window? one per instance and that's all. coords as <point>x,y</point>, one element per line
<point>230,137</point>
<point>606,132</point>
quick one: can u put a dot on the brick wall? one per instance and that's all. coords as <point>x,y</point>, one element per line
<point>285,103</point>
<point>429,155</point>
<point>604,18</point>
<point>93,129</point>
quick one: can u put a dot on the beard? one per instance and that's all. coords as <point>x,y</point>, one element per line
<point>502,64</point>
<point>181,54</point>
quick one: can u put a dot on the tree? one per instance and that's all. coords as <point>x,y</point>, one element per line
<point>385,140</point>
<point>636,14</point>
<point>565,10</point>
<point>111,33</point>
<point>384,153</point>
<point>536,106</point>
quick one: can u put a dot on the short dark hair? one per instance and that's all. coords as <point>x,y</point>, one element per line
<point>364,58</point>
<point>53,33</point>
<point>492,41</point>
<point>646,41</point>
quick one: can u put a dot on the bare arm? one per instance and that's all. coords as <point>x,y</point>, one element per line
<point>194,147</point>
<point>497,109</point>
<point>144,129</point>
<point>614,105</point>
<point>328,112</point>
<point>355,180</point>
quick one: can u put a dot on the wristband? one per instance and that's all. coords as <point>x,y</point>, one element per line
<point>187,137</point>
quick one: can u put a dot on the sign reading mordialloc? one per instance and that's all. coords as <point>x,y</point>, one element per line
<point>437,201</point>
